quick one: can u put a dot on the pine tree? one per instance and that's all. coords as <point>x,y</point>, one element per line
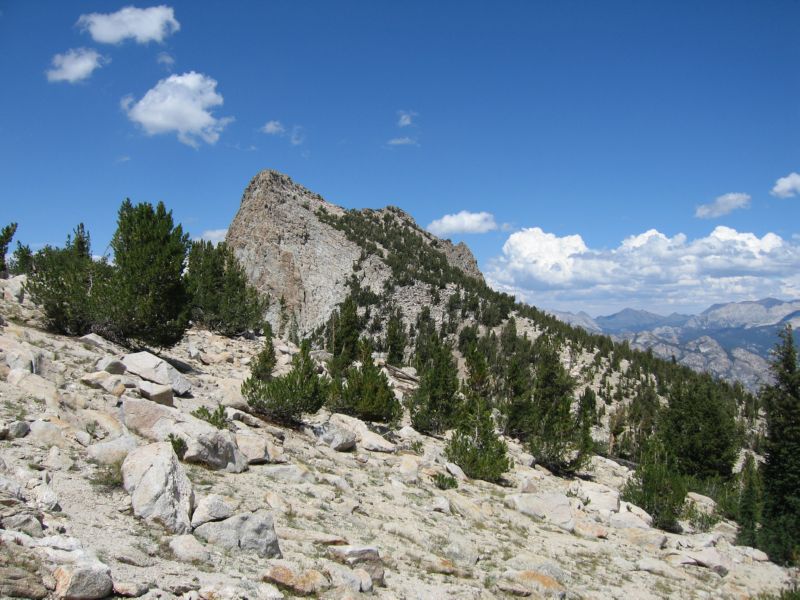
<point>221,297</point>
<point>22,260</point>
<point>366,393</point>
<point>342,331</point>
<point>781,470</point>
<point>434,405</point>
<point>71,288</point>
<point>555,434</point>
<point>396,339</point>
<point>6,235</point>
<point>475,446</point>
<point>657,487</point>
<point>749,508</point>
<point>284,399</point>
<point>700,428</point>
<point>264,363</point>
<point>587,416</point>
<point>150,304</point>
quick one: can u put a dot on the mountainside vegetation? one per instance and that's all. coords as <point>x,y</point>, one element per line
<point>488,367</point>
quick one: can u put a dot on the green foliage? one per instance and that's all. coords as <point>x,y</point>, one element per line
<point>445,482</point>
<point>71,288</point>
<point>264,362</point>
<point>284,399</point>
<point>657,487</point>
<point>396,339</point>
<point>366,393</point>
<point>435,404</point>
<point>781,470</point>
<point>108,477</point>
<point>700,428</point>
<point>475,447</point>
<point>216,417</point>
<point>179,446</point>
<point>749,509</point>
<point>554,433</point>
<point>6,235</point>
<point>21,260</point>
<point>149,304</point>
<point>342,330</point>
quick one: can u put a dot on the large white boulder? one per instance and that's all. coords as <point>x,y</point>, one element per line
<point>205,443</point>
<point>150,367</point>
<point>550,506</point>
<point>246,531</point>
<point>159,488</point>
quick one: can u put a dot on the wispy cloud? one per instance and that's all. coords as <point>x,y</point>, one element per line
<point>166,60</point>
<point>296,134</point>
<point>123,159</point>
<point>788,186</point>
<point>722,205</point>
<point>402,141</point>
<point>75,65</point>
<point>144,25</point>
<point>463,222</point>
<point>180,104</point>
<point>405,118</point>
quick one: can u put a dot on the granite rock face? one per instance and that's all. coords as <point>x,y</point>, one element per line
<point>288,252</point>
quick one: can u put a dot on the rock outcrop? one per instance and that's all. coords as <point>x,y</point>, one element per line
<point>302,262</point>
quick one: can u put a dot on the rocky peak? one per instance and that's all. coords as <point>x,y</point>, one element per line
<point>303,262</point>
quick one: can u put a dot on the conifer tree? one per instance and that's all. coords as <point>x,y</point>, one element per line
<point>264,363</point>
<point>6,235</point>
<point>366,393</point>
<point>284,399</point>
<point>435,403</point>
<point>70,287</point>
<point>475,446</point>
<point>22,260</point>
<point>220,296</point>
<point>150,303</point>
<point>657,487</point>
<point>342,331</point>
<point>749,508</point>
<point>781,470</point>
<point>700,428</point>
<point>555,434</point>
<point>396,339</point>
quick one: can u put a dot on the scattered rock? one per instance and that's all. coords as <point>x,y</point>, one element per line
<point>364,557</point>
<point>306,583</point>
<point>159,488</point>
<point>553,507</point>
<point>157,370</point>
<point>161,394</point>
<point>246,531</point>
<point>338,438</point>
<point>83,581</point>
<point>187,549</point>
<point>211,508</point>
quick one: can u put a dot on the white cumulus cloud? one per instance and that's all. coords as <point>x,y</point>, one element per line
<point>649,270</point>
<point>722,205</point>
<point>75,65</point>
<point>215,236</point>
<point>144,25</point>
<point>181,104</point>
<point>273,128</point>
<point>788,186</point>
<point>463,222</point>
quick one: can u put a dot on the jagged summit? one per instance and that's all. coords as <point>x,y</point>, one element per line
<point>288,241</point>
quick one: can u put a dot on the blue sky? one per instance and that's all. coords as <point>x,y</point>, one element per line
<point>591,133</point>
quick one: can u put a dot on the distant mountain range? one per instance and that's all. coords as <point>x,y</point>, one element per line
<point>732,340</point>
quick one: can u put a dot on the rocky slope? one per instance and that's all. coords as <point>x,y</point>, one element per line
<point>303,263</point>
<point>733,341</point>
<point>94,502</point>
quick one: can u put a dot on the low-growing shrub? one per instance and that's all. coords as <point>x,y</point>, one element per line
<point>217,418</point>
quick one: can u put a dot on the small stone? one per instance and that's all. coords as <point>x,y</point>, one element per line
<point>187,549</point>
<point>161,394</point>
<point>83,581</point>
<point>211,508</point>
